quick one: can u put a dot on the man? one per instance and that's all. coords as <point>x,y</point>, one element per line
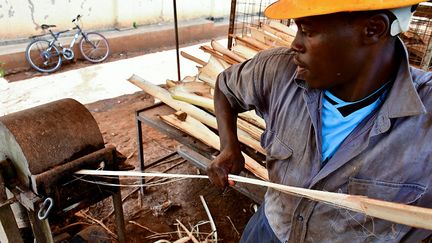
<point>344,113</point>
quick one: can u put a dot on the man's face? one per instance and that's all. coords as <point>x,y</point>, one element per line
<point>329,53</point>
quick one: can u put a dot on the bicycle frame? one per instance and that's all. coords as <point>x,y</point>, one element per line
<point>75,38</point>
<point>57,35</point>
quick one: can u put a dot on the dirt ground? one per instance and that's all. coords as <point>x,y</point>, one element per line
<point>181,200</point>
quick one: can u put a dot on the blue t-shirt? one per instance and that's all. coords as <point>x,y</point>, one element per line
<point>340,118</point>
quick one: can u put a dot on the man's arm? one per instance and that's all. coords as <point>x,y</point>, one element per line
<point>230,160</point>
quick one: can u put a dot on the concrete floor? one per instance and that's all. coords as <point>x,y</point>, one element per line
<point>96,82</point>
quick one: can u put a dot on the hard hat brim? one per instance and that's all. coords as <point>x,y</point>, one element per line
<point>292,9</point>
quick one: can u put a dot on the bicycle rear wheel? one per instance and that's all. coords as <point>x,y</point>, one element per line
<point>94,47</point>
<point>43,57</point>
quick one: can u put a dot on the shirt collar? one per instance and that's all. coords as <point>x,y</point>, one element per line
<point>403,99</point>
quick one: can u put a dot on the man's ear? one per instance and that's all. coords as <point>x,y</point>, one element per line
<point>376,27</point>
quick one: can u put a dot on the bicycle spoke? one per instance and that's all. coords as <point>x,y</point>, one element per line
<point>94,48</point>
<point>42,56</point>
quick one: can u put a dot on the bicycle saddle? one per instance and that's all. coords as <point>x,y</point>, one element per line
<point>47,26</point>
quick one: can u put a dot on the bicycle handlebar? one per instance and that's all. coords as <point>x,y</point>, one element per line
<point>77,18</point>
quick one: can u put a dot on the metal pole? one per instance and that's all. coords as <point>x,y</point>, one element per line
<point>140,152</point>
<point>177,39</point>
<point>231,24</point>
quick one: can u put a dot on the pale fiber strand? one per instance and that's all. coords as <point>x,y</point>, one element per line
<point>399,213</point>
<point>212,223</point>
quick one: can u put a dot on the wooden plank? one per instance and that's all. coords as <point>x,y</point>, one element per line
<point>244,51</point>
<point>41,228</point>
<point>150,116</point>
<point>218,55</point>
<point>281,27</point>
<point>218,47</point>
<point>9,232</point>
<point>192,58</point>
<point>198,130</point>
<point>199,114</point>
<point>257,43</point>
<point>261,35</point>
<point>284,36</point>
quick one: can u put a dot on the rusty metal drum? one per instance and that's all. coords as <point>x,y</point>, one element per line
<point>41,138</point>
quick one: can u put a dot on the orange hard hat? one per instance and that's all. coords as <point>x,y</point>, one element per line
<point>291,9</point>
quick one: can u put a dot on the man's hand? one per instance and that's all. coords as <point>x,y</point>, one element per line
<point>229,161</point>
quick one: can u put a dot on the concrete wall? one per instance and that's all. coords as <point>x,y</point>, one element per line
<point>22,18</point>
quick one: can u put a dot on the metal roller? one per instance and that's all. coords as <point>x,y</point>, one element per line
<point>46,136</point>
<point>40,150</point>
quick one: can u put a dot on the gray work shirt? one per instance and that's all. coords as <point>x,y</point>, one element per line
<point>388,156</point>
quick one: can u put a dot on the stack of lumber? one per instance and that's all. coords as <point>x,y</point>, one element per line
<point>416,45</point>
<point>192,97</point>
<point>419,37</point>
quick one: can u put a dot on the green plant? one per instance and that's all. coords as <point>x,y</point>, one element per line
<point>134,24</point>
<point>2,71</point>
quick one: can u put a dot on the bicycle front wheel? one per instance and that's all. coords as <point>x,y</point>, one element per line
<point>94,47</point>
<point>43,57</point>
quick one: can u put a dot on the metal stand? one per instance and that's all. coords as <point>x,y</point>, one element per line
<point>140,148</point>
<point>231,24</point>
<point>138,124</point>
<point>193,150</point>
<point>177,39</point>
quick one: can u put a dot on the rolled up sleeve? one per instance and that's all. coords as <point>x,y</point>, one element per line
<point>242,85</point>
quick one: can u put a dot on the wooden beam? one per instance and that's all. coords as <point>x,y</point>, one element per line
<point>218,47</point>
<point>193,58</point>
<point>196,129</point>
<point>195,112</point>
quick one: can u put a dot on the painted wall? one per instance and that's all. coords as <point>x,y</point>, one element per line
<point>22,18</point>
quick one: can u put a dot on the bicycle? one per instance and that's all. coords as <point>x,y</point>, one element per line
<point>46,55</point>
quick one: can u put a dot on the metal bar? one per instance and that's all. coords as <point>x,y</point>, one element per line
<point>119,217</point>
<point>138,122</point>
<point>45,180</point>
<point>159,160</point>
<point>151,118</point>
<point>231,24</point>
<point>177,39</point>
<point>140,148</point>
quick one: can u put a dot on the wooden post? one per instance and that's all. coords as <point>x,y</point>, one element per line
<point>9,231</point>
<point>41,228</point>
<point>119,217</point>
